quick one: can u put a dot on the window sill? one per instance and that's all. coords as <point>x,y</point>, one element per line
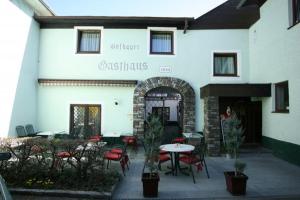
<point>226,76</point>
<point>86,52</point>
<point>293,25</point>
<point>282,111</point>
<point>163,54</point>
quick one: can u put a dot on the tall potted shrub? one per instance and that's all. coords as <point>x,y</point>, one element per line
<point>236,181</point>
<point>150,176</point>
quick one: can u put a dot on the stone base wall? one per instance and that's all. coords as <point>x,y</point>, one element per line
<point>212,125</point>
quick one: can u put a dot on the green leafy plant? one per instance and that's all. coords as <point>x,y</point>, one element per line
<point>152,142</point>
<point>239,167</point>
<point>234,137</point>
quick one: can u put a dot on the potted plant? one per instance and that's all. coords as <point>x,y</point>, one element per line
<point>236,181</point>
<point>150,176</point>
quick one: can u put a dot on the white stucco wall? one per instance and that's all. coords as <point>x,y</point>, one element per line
<point>192,63</point>
<point>19,37</point>
<point>275,57</point>
<point>54,106</point>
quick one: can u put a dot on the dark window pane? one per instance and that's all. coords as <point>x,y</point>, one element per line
<point>282,97</point>
<point>296,11</point>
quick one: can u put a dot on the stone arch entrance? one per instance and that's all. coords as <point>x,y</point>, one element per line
<point>181,86</point>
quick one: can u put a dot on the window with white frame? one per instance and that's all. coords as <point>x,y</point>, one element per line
<point>88,40</point>
<point>225,64</point>
<point>161,42</point>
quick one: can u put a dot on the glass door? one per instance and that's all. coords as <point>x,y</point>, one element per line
<point>85,120</point>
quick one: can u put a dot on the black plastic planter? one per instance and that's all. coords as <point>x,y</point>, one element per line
<point>150,184</point>
<point>236,185</point>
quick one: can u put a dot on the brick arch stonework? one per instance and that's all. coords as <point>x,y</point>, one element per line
<point>184,88</point>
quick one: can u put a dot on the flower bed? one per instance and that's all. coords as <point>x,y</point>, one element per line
<point>57,164</point>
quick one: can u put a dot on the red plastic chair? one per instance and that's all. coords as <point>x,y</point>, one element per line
<point>163,157</point>
<point>109,156</point>
<point>196,158</point>
<point>117,154</point>
<point>95,138</point>
<point>60,157</point>
<point>180,140</point>
<point>130,141</point>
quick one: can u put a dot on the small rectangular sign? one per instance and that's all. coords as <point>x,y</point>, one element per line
<point>165,69</point>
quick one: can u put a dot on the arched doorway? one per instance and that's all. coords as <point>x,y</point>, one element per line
<point>182,87</point>
<point>166,103</point>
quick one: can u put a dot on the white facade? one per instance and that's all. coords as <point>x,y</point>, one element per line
<point>19,39</point>
<point>275,57</point>
<point>268,52</point>
<point>192,62</point>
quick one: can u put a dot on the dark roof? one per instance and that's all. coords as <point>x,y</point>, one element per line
<point>111,22</point>
<point>228,16</point>
<point>233,14</point>
<point>236,90</point>
<point>244,3</point>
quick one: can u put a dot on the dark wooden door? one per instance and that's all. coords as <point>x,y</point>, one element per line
<point>253,122</point>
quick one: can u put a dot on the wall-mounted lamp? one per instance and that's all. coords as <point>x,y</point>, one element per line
<point>116,102</point>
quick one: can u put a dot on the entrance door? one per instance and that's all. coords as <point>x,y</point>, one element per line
<point>165,102</point>
<point>250,114</point>
<point>85,120</point>
<point>253,122</point>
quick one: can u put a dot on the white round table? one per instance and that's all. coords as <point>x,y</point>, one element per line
<point>176,149</point>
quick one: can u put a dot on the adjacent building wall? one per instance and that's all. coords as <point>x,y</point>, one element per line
<point>19,38</point>
<point>275,57</point>
<point>192,63</point>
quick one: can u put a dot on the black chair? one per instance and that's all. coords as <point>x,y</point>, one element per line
<point>21,132</point>
<point>30,130</point>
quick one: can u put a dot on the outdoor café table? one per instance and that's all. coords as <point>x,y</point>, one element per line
<point>113,135</point>
<point>50,133</point>
<point>91,146</point>
<point>175,149</point>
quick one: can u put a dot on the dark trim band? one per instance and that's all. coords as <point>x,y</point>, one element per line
<point>77,82</point>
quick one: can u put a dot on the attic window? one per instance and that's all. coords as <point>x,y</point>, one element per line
<point>161,42</point>
<point>88,41</point>
<point>225,64</point>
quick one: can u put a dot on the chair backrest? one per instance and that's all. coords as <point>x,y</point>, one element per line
<point>29,129</point>
<point>21,131</point>
<point>200,150</point>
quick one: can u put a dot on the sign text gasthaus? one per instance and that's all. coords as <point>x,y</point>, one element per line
<point>122,66</point>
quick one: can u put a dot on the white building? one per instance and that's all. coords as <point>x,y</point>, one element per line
<point>108,73</point>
